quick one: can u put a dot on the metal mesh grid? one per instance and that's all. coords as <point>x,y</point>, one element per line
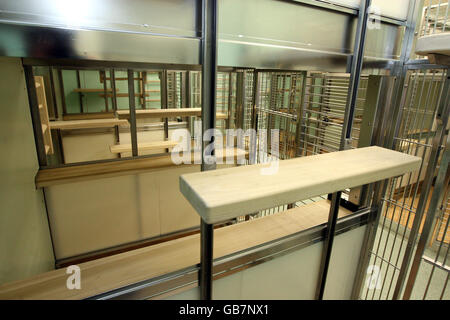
<point>278,108</point>
<point>435,17</point>
<point>174,89</point>
<point>434,266</point>
<point>225,98</point>
<point>400,202</point>
<point>323,116</point>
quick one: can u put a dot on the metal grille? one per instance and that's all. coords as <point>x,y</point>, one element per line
<point>323,116</point>
<point>278,108</point>
<point>435,17</point>
<point>434,269</point>
<point>417,128</point>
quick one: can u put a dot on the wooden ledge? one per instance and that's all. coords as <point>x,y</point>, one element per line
<point>145,146</point>
<point>228,193</point>
<point>113,272</point>
<point>49,177</point>
<point>87,124</point>
<point>167,113</point>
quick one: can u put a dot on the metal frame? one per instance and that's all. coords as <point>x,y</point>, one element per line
<point>228,265</point>
<point>355,73</point>
<point>209,78</point>
<point>209,68</point>
<point>442,118</point>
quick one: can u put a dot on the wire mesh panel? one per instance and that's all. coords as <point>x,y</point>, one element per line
<point>174,89</point>
<point>280,96</point>
<point>400,203</point>
<point>435,17</point>
<point>432,282</point>
<point>323,117</point>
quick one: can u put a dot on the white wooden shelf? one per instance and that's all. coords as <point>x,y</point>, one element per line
<point>145,146</point>
<point>167,113</point>
<point>87,124</point>
<point>228,193</point>
<point>92,90</point>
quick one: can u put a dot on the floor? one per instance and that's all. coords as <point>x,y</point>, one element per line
<point>390,246</point>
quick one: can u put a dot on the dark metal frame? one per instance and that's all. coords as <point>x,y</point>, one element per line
<point>355,73</point>
<point>209,78</point>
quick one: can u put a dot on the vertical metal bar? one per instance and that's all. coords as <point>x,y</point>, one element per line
<point>442,119</point>
<point>254,124</point>
<point>355,73</point>
<point>132,101</point>
<point>105,89</point>
<point>187,98</point>
<point>209,78</point>
<point>112,77</point>
<point>300,134</point>
<point>328,245</point>
<point>80,94</point>
<point>52,85</point>
<point>144,86</point>
<point>164,102</point>
<point>35,116</point>
<point>61,88</point>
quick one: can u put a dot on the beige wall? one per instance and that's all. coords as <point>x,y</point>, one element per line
<point>292,276</point>
<point>25,245</point>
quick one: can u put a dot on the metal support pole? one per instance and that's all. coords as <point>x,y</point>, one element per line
<point>35,116</point>
<point>105,89</point>
<point>132,100</point>
<point>442,120</point>
<point>328,245</point>
<point>254,138</point>
<point>355,72</point>
<point>80,94</point>
<point>61,89</point>
<point>209,78</point>
<point>164,102</point>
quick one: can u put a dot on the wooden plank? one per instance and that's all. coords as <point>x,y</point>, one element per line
<point>43,113</point>
<point>121,95</point>
<point>126,268</point>
<point>92,90</point>
<point>167,113</point>
<point>88,116</point>
<point>86,124</point>
<point>49,177</point>
<point>146,146</point>
<point>228,193</point>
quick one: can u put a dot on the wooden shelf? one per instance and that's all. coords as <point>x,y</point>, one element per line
<point>146,146</point>
<point>88,90</point>
<point>87,124</point>
<point>89,116</point>
<point>49,177</point>
<point>122,95</point>
<point>122,78</point>
<point>228,193</point>
<point>43,113</point>
<point>167,113</point>
<point>106,274</point>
